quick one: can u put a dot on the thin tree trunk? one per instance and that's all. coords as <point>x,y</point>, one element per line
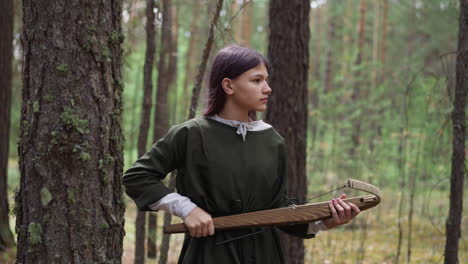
<point>7,239</point>
<point>361,252</point>
<point>172,76</point>
<point>205,56</point>
<point>375,72</point>
<point>140,222</point>
<point>356,134</point>
<point>347,42</point>
<point>191,54</point>
<point>412,192</point>
<point>382,59</point>
<point>328,83</point>
<point>402,170</point>
<point>383,42</point>
<point>164,249</point>
<point>173,60</point>
<point>70,201</point>
<point>375,44</point>
<point>246,23</point>
<point>453,228</point>
<point>288,51</point>
<point>161,122</point>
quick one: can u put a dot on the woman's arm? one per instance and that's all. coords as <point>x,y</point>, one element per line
<point>142,181</point>
<point>174,204</point>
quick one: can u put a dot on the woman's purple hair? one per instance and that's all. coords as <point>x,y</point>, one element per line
<point>230,62</point>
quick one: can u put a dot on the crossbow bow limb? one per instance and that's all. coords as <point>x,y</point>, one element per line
<point>294,214</point>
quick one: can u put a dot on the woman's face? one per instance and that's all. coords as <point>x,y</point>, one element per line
<point>250,89</point>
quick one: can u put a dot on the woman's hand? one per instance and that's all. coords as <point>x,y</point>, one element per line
<point>199,223</point>
<point>342,212</point>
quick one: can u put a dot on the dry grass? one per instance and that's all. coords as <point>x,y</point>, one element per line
<point>350,243</point>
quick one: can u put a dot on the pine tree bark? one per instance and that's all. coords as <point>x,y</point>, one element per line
<point>7,239</point>
<point>453,228</point>
<point>172,76</point>
<point>356,96</point>
<point>140,222</point>
<point>332,18</point>
<point>190,55</point>
<point>161,118</point>
<point>383,42</point>
<point>70,201</point>
<point>246,23</point>
<point>288,53</point>
<point>204,60</point>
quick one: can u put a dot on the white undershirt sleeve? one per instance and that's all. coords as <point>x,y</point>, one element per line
<point>315,227</point>
<point>175,204</point>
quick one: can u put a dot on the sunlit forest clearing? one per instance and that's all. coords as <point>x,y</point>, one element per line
<point>381,80</point>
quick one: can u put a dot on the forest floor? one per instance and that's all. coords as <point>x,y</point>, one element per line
<point>372,237</point>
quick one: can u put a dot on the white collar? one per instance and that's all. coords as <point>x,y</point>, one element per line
<point>243,127</point>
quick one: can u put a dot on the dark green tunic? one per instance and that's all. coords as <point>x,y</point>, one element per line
<point>223,175</point>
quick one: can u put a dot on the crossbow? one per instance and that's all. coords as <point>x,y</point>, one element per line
<point>293,214</point>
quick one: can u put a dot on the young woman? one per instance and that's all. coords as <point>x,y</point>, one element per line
<point>228,163</point>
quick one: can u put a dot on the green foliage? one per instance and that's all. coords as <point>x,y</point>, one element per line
<point>71,196</point>
<point>116,37</point>
<point>46,197</point>
<point>91,29</point>
<point>72,120</point>
<point>36,106</point>
<point>103,226</point>
<point>49,98</point>
<point>104,165</point>
<point>62,69</point>
<point>35,233</point>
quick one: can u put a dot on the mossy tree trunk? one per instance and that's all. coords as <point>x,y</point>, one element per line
<point>70,201</point>
<point>288,53</point>
<point>6,54</point>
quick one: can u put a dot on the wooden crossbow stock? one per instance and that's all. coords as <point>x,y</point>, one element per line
<point>294,214</point>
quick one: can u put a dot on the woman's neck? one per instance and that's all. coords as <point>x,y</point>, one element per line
<point>230,113</point>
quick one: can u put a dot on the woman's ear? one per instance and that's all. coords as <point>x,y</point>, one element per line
<point>227,86</point>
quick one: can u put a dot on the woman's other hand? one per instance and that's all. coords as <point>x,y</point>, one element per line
<point>342,212</point>
<point>199,223</point>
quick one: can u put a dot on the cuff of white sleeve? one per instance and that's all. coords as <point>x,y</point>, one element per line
<point>315,227</point>
<point>321,225</point>
<point>187,209</point>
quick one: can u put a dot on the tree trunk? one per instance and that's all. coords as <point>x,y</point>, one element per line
<point>172,76</point>
<point>140,222</point>
<point>453,228</point>
<point>383,42</point>
<point>164,249</point>
<point>172,66</point>
<point>161,122</point>
<point>7,239</point>
<point>247,23</point>
<point>204,60</point>
<point>70,201</point>
<point>356,96</point>
<point>289,56</point>
<point>190,55</point>
<point>328,83</point>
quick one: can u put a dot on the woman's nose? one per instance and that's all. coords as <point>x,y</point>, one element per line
<point>267,89</point>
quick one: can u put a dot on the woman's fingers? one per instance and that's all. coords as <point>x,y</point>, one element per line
<point>211,228</point>
<point>199,223</point>
<point>347,209</point>
<point>333,211</point>
<point>339,209</point>
<point>355,209</point>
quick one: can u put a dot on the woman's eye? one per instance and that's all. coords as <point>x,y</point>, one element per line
<point>257,80</point>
